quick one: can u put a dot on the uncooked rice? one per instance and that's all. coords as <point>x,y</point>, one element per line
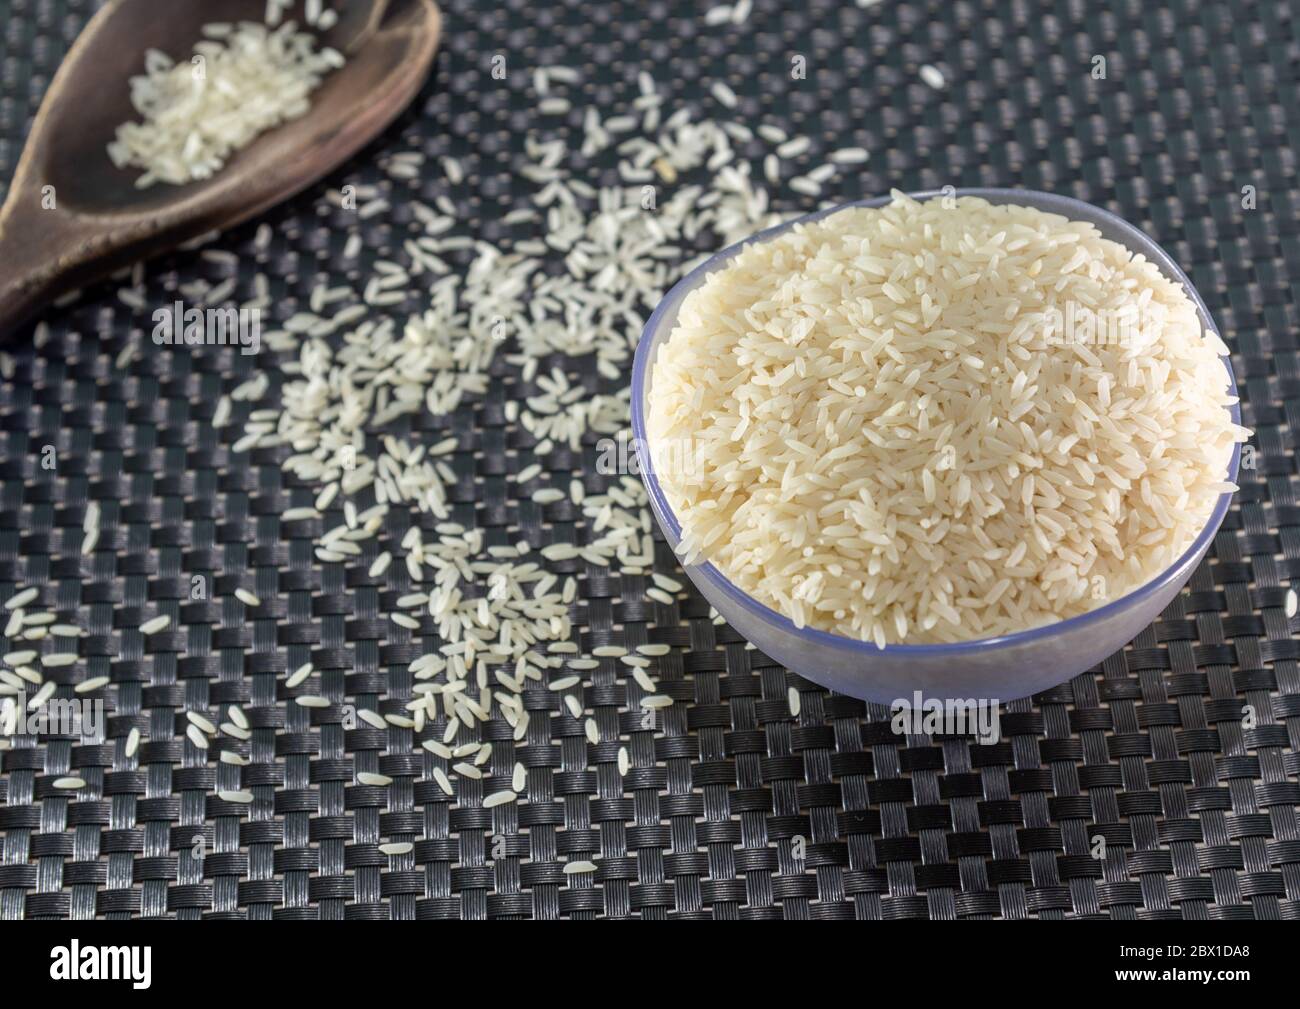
<point>155,625</point>
<point>933,76</point>
<point>877,425</point>
<point>241,81</point>
<point>205,724</point>
<point>586,268</point>
<point>21,599</point>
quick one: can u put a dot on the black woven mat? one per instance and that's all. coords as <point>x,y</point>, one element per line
<point>734,808</point>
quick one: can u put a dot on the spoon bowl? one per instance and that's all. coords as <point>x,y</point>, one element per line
<point>72,216</point>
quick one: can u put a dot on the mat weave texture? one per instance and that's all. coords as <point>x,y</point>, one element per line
<point>733,808</point>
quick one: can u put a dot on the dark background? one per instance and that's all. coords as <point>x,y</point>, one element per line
<point>1149,751</point>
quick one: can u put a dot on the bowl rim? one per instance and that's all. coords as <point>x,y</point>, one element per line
<point>1135,240</point>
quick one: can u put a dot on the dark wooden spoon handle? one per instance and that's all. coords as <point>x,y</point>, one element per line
<point>47,253</point>
<point>21,298</point>
<point>36,270</point>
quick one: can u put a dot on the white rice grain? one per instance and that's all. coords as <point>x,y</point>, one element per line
<point>42,695</point>
<point>972,468</point>
<point>255,77</point>
<point>22,598</point>
<point>204,724</point>
<point>155,625</point>
<point>933,76</point>
<point>724,94</point>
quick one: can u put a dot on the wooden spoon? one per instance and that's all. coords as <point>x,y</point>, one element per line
<point>71,217</point>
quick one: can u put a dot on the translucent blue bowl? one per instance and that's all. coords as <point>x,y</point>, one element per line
<point>987,669</point>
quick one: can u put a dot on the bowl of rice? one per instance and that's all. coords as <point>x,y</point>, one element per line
<point>961,444</point>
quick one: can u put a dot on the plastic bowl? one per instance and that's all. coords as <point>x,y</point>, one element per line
<point>986,669</point>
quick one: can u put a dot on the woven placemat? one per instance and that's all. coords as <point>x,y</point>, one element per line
<point>733,807</point>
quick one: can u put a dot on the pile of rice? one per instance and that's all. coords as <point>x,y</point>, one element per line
<point>877,424</point>
<point>242,80</point>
